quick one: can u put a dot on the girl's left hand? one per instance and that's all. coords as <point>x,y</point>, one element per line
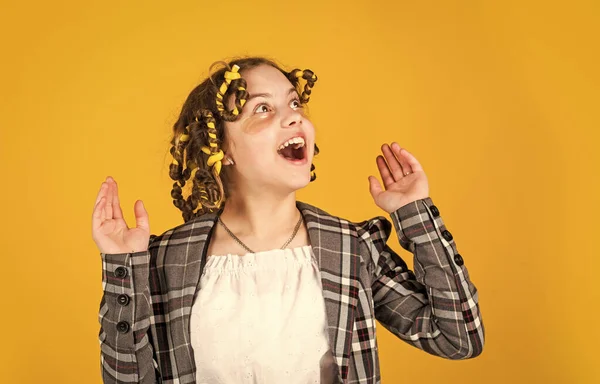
<point>402,176</point>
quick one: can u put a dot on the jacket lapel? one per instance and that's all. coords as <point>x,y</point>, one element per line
<point>335,245</point>
<point>182,261</point>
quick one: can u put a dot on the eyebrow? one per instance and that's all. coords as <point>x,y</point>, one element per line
<point>267,95</point>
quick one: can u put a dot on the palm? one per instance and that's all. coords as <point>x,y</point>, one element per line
<point>109,229</point>
<point>400,188</point>
<point>117,236</point>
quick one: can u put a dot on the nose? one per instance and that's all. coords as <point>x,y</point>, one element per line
<point>291,118</point>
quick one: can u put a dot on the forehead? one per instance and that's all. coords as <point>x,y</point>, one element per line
<point>265,79</point>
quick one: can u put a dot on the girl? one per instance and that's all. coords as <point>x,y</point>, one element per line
<point>257,287</point>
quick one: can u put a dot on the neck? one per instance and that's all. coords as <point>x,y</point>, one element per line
<point>260,215</point>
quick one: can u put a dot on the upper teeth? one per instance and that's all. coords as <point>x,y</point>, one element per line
<point>294,140</point>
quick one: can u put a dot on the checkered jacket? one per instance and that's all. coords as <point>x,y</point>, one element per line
<point>146,304</point>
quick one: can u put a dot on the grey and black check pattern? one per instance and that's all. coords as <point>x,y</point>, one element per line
<point>435,308</point>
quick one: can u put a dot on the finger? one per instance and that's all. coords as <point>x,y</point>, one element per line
<point>101,193</point>
<point>411,160</point>
<point>116,204</point>
<point>141,216</point>
<point>109,199</point>
<point>374,186</point>
<point>406,168</point>
<point>98,214</point>
<point>386,176</point>
<point>393,163</point>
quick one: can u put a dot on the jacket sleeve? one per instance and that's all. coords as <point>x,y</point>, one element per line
<point>435,308</point>
<point>126,351</point>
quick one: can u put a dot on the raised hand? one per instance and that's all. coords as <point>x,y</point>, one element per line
<point>403,178</point>
<point>109,229</point>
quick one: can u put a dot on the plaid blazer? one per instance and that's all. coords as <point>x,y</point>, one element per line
<point>147,296</point>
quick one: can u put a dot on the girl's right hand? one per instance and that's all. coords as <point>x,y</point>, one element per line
<point>109,229</point>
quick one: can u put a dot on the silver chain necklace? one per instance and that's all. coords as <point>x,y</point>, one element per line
<point>251,251</point>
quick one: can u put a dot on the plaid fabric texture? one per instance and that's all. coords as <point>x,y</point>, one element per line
<point>435,308</point>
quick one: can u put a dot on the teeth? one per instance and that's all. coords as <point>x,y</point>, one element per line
<point>295,140</point>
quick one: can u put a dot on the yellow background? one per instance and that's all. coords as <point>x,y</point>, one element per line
<point>498,100</point>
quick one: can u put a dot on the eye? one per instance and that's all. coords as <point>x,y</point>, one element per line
<point>261,108</point>
<point>296,103</point>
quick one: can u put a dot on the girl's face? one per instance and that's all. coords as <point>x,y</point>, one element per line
<point>271,116</point>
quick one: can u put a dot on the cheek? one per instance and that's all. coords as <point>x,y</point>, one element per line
<point>257,142</point>
<point>256,123</point>
<point>309,130</point>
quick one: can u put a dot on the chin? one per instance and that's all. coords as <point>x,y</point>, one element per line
<point>303,183</point>
<point>296,182</point>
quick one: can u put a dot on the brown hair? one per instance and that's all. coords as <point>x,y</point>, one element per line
<point>193,130</point>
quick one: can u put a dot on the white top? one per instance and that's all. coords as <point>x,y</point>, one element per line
<point>260,318</point>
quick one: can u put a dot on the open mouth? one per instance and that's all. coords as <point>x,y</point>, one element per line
<point>293,150</point>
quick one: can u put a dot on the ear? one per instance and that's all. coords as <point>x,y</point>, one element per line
<point>227,160</point>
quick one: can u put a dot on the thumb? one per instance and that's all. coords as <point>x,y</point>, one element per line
<point>141,216</point>
<point>374,186</point>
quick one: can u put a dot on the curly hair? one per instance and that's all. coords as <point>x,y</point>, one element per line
<point>200,130</point>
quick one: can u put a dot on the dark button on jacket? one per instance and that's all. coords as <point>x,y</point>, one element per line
<point>123,299</point>
<point>121,272</point>
<point>123,326</point>
<point>458,259</point>
<point>447,235</point>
